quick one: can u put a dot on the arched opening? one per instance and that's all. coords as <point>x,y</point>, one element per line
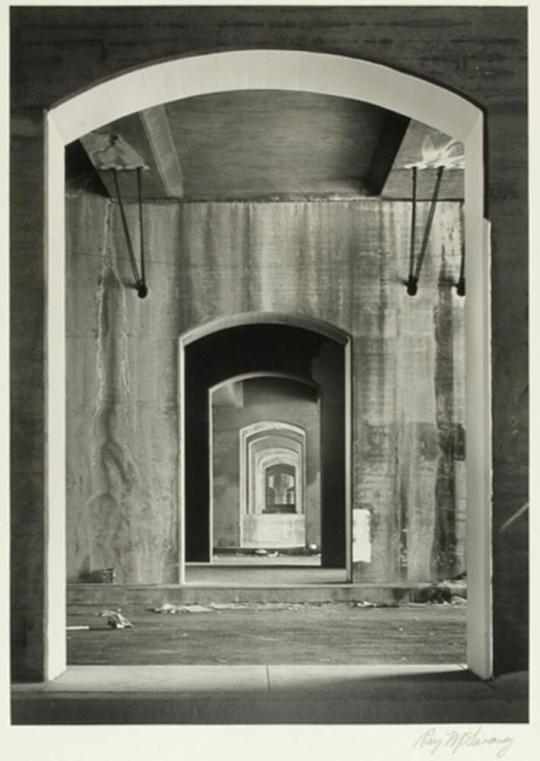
<point>274,394</point>
<point>272,462</point>
<point>280,483</point>
<point>332,75</point>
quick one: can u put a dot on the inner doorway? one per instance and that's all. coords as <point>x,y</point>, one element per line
<point>266,452</point>
<point>265,472</point>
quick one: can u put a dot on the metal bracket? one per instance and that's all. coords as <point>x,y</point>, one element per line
<point>414,271</point>
<point>140,278</point>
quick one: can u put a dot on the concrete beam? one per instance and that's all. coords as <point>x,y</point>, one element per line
<point>383,160</point>
<point>158,133</point>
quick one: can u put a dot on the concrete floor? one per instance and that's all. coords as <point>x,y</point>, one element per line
<point>273,663</point>
<point>261,573</point>
<point>305,561</point>
<point>270,695</point>
<point>274,633</point>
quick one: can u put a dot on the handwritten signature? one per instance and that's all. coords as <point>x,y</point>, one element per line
<point>434,740</point>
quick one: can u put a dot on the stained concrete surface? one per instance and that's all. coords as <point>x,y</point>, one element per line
<point>340,262</point>
<point>274,633</point>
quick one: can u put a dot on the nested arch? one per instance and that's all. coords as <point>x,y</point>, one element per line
<point>273,468</point>
<point>162,82</point>
<point>261,445</point>
<point>308,353</point>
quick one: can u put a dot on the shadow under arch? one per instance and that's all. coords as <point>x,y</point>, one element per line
<point>323,73</point>
<point>307,322</point>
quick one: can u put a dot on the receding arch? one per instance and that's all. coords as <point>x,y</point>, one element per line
<point>274,345</point>
<point>263,434</point>
<point>290,70</point>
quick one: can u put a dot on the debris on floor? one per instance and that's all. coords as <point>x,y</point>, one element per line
<point>260,551</point>
<point>446,591</point>
<point>115,619</point>
<point>188,608</point>
<point>275,631</point>
<point>80,628</point>
<point>193,608</point>
<point>165,608</point>
<point>437,592</point>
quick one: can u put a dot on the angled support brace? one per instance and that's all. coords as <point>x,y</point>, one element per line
<point>140,279</point>
<point>414,271</point>
<point>460,285</point>
<point>412,282</point>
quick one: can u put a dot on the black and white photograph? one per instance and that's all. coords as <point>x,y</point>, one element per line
<point>269,376</point>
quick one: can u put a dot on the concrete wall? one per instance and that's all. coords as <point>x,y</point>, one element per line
<point>264,400</point>
<point>342,262</point>
<point>477,51</point>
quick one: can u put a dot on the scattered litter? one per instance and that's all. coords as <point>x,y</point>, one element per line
<point>115,619</point>
<point>278,606</point>
<point>172,609</point>
<point>84,627</point>
<point>260,551</point>
<point>165,608</point>
<point>228,606</point>
<point>107,575</point>
<point>364,604</point>
<point>458,600</point>
<point>274,554</point>
<point>438,592</point>
<point>444,591</point>
<point>193,609</point>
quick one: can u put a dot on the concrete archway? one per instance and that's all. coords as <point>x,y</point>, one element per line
<point>304,350</point>
<point>291,70</point>
<point>264,446</point>
<point>253,433</point>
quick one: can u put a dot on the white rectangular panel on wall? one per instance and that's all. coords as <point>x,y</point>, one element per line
<point>361,551</point>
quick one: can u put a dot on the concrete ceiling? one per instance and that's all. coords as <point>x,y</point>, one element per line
<point>266,144</point>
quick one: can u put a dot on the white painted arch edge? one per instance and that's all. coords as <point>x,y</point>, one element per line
<point>268,69</point>
<point>322,73</point>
